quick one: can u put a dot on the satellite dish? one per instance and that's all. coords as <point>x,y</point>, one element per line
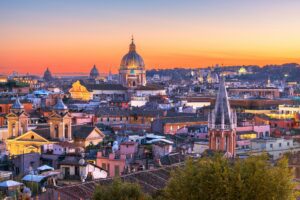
<point>115,146</point>
<point>81,161</point>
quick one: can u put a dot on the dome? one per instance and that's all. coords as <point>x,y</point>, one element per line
<point>47,75</point>
<point>94,72</point>
<point>17,105</point>
<point>60,105</point>
<point>132,60</point>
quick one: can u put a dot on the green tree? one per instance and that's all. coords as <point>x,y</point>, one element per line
<point>217,178</point>
<point>119,190</point>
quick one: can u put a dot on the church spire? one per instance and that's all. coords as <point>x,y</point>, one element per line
<point>222,115</point>
<point>222,124</point>
<point>132,45</point>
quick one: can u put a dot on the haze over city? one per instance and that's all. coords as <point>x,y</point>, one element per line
<point>74,35</point>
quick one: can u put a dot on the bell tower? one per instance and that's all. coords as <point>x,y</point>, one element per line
<point>17,120</point>
<point>222,124</point>
<point>60,122</point>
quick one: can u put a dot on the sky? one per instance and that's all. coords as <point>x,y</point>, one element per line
<point>70,36</point>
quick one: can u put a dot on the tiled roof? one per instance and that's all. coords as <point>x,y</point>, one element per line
<point>150,181</point>
<point>111,111</point>
<point>169,120</point>
<point>82,131</point>
<point>105,87</point>
<point>150,87</point>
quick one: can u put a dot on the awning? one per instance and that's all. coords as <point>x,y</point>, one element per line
<point>45,167</point>
<point>33,178</point>
<point>10,183</point>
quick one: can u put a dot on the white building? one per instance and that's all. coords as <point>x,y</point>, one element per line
<point>276,147</point>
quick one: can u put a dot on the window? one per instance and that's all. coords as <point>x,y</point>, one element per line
<point>117,170</point>
<point>288,144</point>
<point>271,145</point>
<point>121,118</point>
<point>66,131</point>
<point>267,134</point>
<point>107,119</point>
<point>104,166</point>
<point>279,144</point>
<point>56,131</point>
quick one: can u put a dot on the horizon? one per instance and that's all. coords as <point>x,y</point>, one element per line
<point>72,37</point>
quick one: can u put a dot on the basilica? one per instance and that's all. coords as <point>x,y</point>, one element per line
<point>132,68</point>
<point>131,81</point>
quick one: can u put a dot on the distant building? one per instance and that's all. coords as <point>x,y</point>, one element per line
<point>256,92</point>
<point>48,75</point>
<point>3,79</point>
<point>94,74</point>
<point>79,92</point>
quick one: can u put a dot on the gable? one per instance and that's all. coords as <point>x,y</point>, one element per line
<point>31,136</point>
<point>11,115</point>
<point>96,133</point>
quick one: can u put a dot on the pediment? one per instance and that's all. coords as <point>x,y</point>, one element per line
<point>11,115</point>
<point>95,133</point>
<point>31,136</point>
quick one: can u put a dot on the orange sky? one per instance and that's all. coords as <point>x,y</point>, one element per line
<point>71,38</point>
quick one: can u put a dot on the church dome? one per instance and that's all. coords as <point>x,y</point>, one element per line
<point>17,105</point>
<point>60,106</point>
<point>48,75</point>
<point>132,60</point>
<point>94,72</point>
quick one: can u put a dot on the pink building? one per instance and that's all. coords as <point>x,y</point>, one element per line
<point>113,164</point>
<point>129,149</point>
<point>83,118</point>
<point>261,130</point>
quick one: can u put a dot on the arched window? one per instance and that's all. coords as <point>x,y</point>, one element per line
<point>66,131</point>
<point>56,131</point>
<point>13,129</point>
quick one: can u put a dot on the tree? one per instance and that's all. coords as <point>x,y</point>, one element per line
<point>218,178</point>
<point>119,190</point>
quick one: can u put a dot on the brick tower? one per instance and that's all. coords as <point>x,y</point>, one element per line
<point>222,124</point>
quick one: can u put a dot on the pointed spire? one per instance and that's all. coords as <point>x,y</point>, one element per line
<point>132,45</point>
<point>222,113</point>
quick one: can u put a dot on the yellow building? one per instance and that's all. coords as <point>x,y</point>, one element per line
<point>242,71</point>
<point>29,142</point>
<point>21,141</point>
<point>3,79</point>
<point>79,92</point>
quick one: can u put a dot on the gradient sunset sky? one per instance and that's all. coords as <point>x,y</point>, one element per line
<point>72,35</point>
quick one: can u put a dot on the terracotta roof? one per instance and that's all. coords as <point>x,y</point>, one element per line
<point>105,87</point>
<point>82,131</point>
<point>150,181</point>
